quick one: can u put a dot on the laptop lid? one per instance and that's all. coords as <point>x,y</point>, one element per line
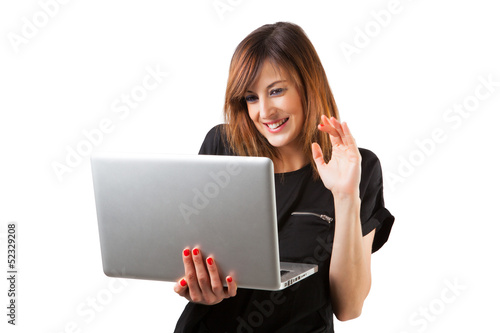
<point>152,206</point>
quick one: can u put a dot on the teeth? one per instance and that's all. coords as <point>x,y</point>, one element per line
<point>276,125</point>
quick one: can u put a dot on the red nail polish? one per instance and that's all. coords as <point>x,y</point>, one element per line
<point>195,252</point>
<point>210,261</point>
<point>183,283</point>
<point>229,279</point>
<point>186,252</point>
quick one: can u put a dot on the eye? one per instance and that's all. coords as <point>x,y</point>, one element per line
<point>277,91</point>
<point>250,98</point>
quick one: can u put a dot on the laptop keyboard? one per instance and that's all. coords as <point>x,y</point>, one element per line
<point>283,272</point>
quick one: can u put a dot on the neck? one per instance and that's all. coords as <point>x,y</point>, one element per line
<point>290,160</point>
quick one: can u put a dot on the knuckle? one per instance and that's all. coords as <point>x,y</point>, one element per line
<point>197,259</point>
<point>191,276</point>
<point>196,298</point>
<point>217,289</point>
<point>187,259</point>
<point>214,300</point>
<point>203,280</point>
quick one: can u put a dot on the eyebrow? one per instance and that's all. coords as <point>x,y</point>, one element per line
<point>271,85</point>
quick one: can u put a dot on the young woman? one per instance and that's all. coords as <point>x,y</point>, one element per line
<point>279,104</point>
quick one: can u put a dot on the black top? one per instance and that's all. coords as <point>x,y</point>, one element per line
<point>305,306</point>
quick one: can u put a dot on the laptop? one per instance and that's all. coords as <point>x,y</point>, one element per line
<point>150,207</point>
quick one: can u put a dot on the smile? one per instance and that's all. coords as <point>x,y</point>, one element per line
<point>277,124</point>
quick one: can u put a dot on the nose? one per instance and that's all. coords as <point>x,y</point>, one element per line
<point>266,108</point>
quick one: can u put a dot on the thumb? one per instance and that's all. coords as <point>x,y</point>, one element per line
<point>317,155</point>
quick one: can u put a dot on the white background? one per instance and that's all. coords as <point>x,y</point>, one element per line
<point>395,91</point>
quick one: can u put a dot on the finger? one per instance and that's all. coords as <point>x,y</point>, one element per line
<point>190,275</point>
<point>231,286</point>
<point>213,271</point>
<point>345,133</point>
<point>329,129</point>
<point>317,155</point>
<point>331,123</point>
<point>181,288</point>
<point>348,138</point>
<point>337,125</point>
<point>203,277</point>
<point>332,129</point>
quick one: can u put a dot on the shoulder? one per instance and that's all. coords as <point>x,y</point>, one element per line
<point>369,161</point>
<point>371,171</point>
<point>373,213</point>
<point>215,132</point>
<point>368,157</point>
<point>215,142</point>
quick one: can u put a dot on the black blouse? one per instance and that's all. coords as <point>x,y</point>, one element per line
<point>307,238</point>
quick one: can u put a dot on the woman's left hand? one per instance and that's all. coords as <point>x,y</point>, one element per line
<point>342,173</point>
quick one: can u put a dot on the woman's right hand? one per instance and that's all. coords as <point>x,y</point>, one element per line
<point>201,282</point>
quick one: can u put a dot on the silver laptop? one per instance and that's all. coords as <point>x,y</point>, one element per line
<point>152,206</point>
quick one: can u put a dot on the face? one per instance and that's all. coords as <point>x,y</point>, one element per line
<point>275,107</point>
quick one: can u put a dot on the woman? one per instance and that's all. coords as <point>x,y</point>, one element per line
<point>279,104</point>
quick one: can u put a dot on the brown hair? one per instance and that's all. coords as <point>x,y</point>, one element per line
<point>288,48</point>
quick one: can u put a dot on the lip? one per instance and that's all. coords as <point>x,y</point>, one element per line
<point>276,130</point>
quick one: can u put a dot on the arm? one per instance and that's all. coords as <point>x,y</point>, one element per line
<point>350,273</point>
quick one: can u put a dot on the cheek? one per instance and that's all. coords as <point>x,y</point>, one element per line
<point>253,112</point>
<point>291,104</point>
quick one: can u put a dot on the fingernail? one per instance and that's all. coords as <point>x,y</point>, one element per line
<point>183,283</point>
<point>229,279</point>
<point>186,252</point>
<point>210,261</point>
<point>195,252</point>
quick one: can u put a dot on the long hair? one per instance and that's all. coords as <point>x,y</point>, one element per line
<point>288,48</point>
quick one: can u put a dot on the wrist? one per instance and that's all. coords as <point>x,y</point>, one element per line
<point>346,197</point>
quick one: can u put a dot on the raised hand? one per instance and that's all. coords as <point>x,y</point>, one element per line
<point>342,173</point>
